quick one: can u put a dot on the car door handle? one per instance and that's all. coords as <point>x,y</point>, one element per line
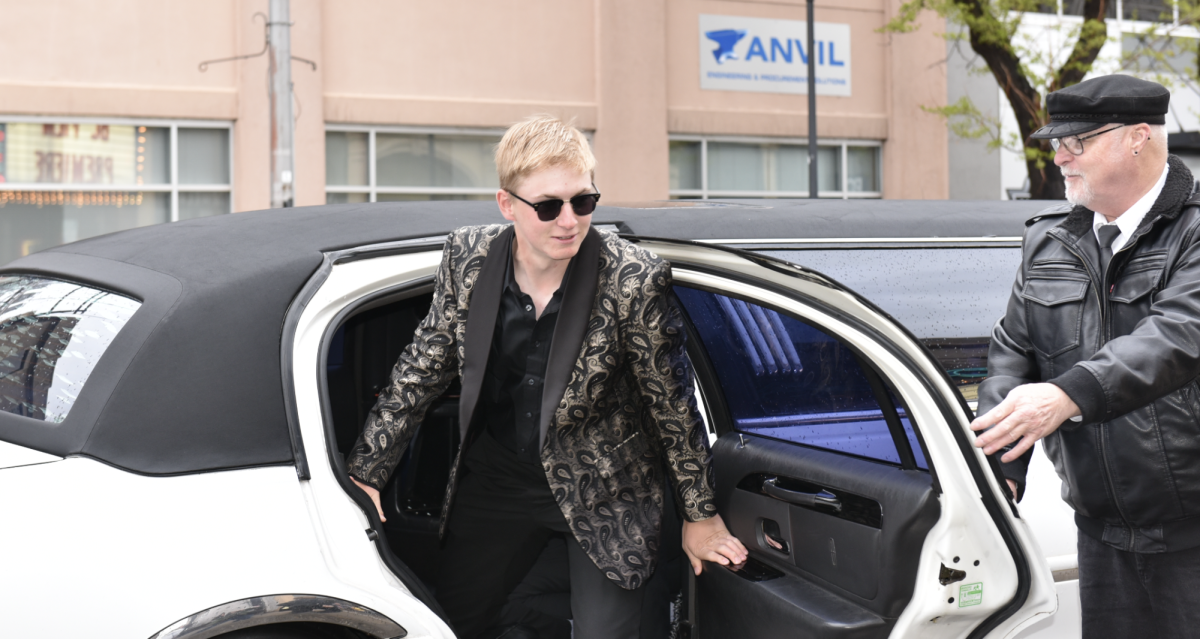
<point>823,498</point>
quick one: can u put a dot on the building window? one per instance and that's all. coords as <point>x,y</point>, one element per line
<point>1162,11</point>
<point>388,164</point>
<point>63,180</point>
<point>711,167</point>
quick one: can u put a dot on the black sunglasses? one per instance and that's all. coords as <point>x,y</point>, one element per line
<point>548,210</point>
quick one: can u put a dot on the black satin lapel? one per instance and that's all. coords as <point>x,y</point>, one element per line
<point>573,314</point>
<point>481,323</point>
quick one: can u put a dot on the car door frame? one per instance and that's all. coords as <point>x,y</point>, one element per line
<point>969,483</point>
<point>757,278</point>
<point>348,526</point>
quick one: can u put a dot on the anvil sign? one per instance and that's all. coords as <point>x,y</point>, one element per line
<point>771,56</point>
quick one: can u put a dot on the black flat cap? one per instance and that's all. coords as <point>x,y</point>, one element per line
<point>1091,104</point>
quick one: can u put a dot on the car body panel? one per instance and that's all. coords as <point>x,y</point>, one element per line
<point>12,455</point>
<point>169,547</point>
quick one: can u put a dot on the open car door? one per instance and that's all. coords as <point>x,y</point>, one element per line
<point>844,463</point>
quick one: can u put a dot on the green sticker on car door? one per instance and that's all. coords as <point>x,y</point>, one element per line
<point>970,595</point>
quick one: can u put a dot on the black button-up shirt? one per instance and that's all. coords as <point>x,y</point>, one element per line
<point>511,394</point>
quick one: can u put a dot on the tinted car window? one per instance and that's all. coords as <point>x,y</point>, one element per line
<point>948,297</point>
<point>785,379</point>
<point>52,334</point>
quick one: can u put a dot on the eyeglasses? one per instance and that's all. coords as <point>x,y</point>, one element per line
<point>548,210</point>
<point>1074,143</point>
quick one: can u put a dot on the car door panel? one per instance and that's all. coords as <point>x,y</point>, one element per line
<point>872,565</point>
<point>814,452</point>
<point>827,436</point>
<point>787,606</point>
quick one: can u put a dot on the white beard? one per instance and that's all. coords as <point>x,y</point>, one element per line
<point>1079,193</point>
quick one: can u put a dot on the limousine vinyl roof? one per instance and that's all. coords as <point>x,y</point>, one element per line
<point>193,382</point>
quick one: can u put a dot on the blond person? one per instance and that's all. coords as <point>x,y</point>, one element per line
<point>577,409</point>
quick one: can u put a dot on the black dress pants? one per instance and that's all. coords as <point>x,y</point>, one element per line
<point>542,601</point>
<point>1129,594</point>
<point>503,516</point>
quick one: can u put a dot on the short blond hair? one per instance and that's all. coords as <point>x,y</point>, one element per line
<point>538,142</point>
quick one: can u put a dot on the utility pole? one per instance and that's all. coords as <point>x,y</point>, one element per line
<point>277,46</point>
<point>812,106</point>
<point>283,160</point>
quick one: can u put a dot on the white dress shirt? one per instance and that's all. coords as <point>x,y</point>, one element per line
<point>1130,219</point>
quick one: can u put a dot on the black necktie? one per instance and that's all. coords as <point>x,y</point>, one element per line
<point>1106,234</point>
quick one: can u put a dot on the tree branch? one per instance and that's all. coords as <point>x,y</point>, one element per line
<point>996,50</point>
<point>1092,36</point>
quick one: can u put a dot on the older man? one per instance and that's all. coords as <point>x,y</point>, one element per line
<point>1099,353</point>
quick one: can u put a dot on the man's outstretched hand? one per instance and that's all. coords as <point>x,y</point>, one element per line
<point>709,540</point>
<point>1027,414</point>
<point>373,494</point>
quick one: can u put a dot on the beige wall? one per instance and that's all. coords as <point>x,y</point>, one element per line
<point>631,132</point>
<point>627,69</point>
<point>459,62</point>
<point>118,58</point>
<point>252,130</point>
<point>916,156</point>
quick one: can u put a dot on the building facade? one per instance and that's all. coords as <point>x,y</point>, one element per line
<point>110,119</point>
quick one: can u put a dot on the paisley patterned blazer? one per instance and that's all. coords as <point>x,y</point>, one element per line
<point>618,411</point>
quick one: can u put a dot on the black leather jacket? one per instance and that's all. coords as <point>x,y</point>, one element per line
<point>1125,346</point>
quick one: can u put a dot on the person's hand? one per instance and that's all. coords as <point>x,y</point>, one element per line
<point>373,494</point>
<point>709,540</point>
<point>1012,488</point>
<point>1028,413</point>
